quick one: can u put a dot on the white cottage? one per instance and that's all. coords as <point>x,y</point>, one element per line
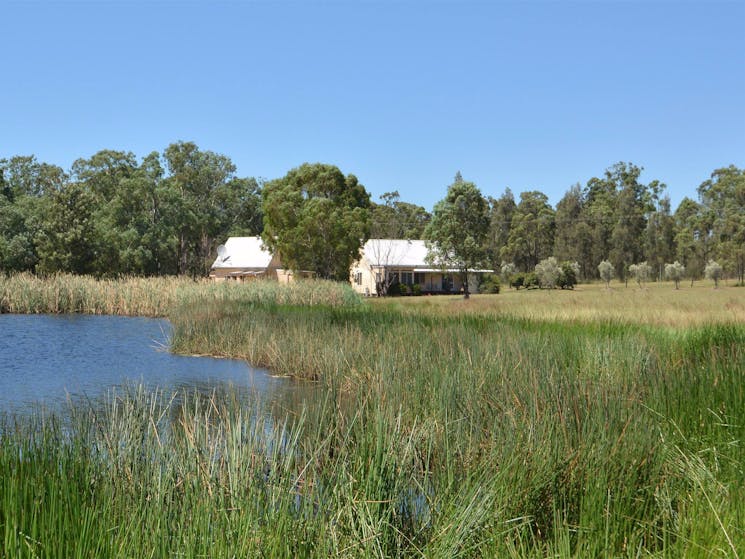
<point>386,262</point>
<point>246,258</point>
<point>242,258</point>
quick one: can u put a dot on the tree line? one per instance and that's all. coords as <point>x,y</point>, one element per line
<point>113,214</point>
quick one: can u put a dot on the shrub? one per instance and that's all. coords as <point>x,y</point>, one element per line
<point>547,272</point>
<point>489,284</point>
<point>531,281</point>
<point>568,275</point>
<point>605,269</point>
<point>641,272</point>
<point>675,272</point>
<point>713,271</point>
<point>416,289</point>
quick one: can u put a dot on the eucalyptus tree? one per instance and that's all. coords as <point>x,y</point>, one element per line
<point>456,235</point>
<point>67,240</point>
<point>197,177</point>
<point>501,211</point>
<point>317,219</point>
<point>531,235</point>
<point>573,238</point>
<point>693,244</point>
<point>101,177</point>
<point>395,219</point>
<point>25,188</point>
<point>633,204</point>
<point>723,196</point>
<point>660,236</point>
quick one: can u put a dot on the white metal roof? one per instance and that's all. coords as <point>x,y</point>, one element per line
<point>395,252</point>
<point>402,253</point>
<point>244,252</point>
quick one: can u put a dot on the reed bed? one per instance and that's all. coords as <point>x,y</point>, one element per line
<point>446,430</point>
<point>154,297</point>
<point>536,438</point>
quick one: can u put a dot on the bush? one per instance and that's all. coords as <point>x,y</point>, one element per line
<point>531,281</point>
<point>605,269</point>
<point>416,289</point>
<point>568,275</point>
<point>713,271</point>
<point>518,280</point>
<point>489,284</point>
<point>675,272</point>
<point>548,272</point>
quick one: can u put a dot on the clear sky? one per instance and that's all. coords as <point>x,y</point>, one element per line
<point>526,95</point>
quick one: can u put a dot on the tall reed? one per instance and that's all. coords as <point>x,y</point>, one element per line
<point>535,437</point>
<point>65,293</point>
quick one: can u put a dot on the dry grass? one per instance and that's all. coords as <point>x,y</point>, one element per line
<point>656,304</point>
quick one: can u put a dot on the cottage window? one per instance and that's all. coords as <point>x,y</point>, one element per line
<point>406,278</point>
<point>358,278</point>
<point>419,278</point>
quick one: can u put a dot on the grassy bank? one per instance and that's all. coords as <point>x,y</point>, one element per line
<point>446,431</point>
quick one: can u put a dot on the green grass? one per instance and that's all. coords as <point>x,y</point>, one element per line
<point>445,430</point>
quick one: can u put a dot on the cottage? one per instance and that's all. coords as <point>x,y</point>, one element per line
<point>389,262</point>
<point>242,258</point>
<point>246,258</point>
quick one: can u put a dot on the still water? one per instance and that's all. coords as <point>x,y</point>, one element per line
<point>48,360</point>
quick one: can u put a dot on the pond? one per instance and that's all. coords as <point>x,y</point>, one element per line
<point>48,360</point>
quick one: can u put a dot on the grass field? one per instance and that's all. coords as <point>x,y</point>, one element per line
<point>655,304</point>
<point>593,423</point>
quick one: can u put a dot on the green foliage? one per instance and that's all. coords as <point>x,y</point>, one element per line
<point>394,219</point>
<point>489,284</point>
<point>568,275</point>
<point>531,234</point>
<point>723,205</point>
<point>316,219</point>
<point>517,280</point>
<point>531,281</point>
<point>501,212</point>
<point>457,232</point>
<point>573,237</point>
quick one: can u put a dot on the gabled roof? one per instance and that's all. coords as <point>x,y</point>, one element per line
<point>395,252</point>
<point>244,252</point>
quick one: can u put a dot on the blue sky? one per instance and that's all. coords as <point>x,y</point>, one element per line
<point>525,95</point>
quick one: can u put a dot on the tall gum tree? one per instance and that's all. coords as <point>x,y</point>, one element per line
<point>723,199</point>
<point>531,237</point>
<point>457,234</point>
